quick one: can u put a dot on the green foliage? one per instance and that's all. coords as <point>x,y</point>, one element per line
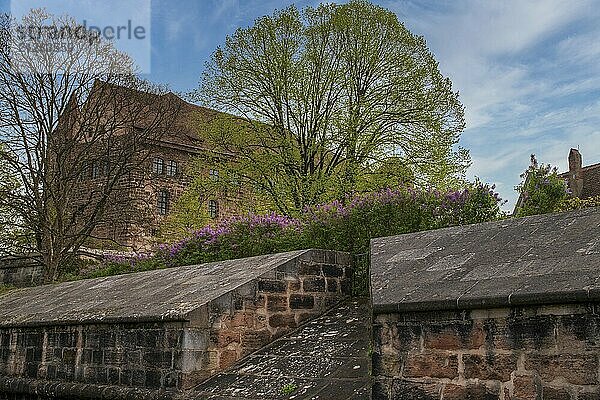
<point>542,190</point>
<point>393,212</point>
<point>387,173</point>
<point>576,203</point>
<point>6,288</point>
<point>289,388</point>
<point>344,227</point>
<point>327,92</point>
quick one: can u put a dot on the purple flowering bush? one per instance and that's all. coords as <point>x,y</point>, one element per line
<point>344,226</point>
<point>351,226</point>
<point>236,237</point>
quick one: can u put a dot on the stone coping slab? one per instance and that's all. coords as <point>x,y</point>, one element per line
<point>547,259</point>
<point>169,294</point>
<point>328,358</point>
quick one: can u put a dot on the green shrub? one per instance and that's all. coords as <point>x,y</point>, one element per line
<point>578,204</point>
<point>541,190</point>
<point>344,226</point>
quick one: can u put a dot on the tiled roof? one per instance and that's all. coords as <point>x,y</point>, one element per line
<point>184,130</point>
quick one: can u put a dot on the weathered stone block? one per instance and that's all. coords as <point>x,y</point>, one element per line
<point>332,285</point>
<point>526,387</point>
<point>470,392</point>
<point>313,284</point>
<point>587,394</point>
<point>294,285</point>
<point>578,369</point>
<point>551,393</point>
<point>255,339</point>
<point>386,364</point>
<point>434,365</point>
<point>497,367</point>
<point>242,320</point>
<point>333,271</point>
<point>398,337</point>
<point>227,358</point>
<point>453,336</point>
<point>282,320</point>
<point>407,390</point>
<point>272,286</point>
<point>307,268</point>
<point>301,301</point>
<point>277,303</point>
<point>226,337</point>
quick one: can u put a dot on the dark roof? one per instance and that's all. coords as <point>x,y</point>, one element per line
<point>591,180</point>
<point>182,130</point>
<point>553,258</point>
<point>161,295</point>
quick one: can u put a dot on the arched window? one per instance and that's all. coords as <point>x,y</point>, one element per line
<point>213,209</point>
<point>158,165</point>
<point>162,202</point>
<point>172,168</point>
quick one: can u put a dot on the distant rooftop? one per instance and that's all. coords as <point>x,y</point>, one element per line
<point>161,295</point>
<point>534,260</point>
<point>584,182</point>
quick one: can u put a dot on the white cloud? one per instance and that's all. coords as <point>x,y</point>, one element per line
<point>528,73</point>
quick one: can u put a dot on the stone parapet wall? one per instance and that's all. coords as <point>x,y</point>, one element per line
<point>174,355</point>
<point>253,315</point>
<point>140,355</point>
<point>20,272</point>
<point>524,353</point>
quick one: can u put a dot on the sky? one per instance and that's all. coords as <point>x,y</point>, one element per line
<point>528,72</point>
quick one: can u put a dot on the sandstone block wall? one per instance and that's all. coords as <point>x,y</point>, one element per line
<point>176,355</point>
<point>19,272</point>
<point>141,355</point>
<point>253,315</point>
<point>526,353</point>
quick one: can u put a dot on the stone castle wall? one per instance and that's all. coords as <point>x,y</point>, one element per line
<point>525,353</point>
<point>174,355</point>
<point>20,272</point>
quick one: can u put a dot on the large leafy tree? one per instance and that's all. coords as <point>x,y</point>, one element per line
<point>71,107</point>
<point>325,93</point>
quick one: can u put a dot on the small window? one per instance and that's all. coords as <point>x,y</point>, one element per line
<point>236,180</point>
<point>213,209</point>
<point>106,167</point>
<point>96,169</point>
<point>85,171</point>
<point>162,203</point>
<point>214,174</point>
<point>172,168</point>
<point>158,166</point>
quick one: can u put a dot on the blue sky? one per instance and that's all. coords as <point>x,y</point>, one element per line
<point>528,72</point>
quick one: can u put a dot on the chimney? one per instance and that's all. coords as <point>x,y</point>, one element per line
<point>575,162</point>
<point>575,181</point>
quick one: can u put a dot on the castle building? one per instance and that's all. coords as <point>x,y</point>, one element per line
<point>146,195</point>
